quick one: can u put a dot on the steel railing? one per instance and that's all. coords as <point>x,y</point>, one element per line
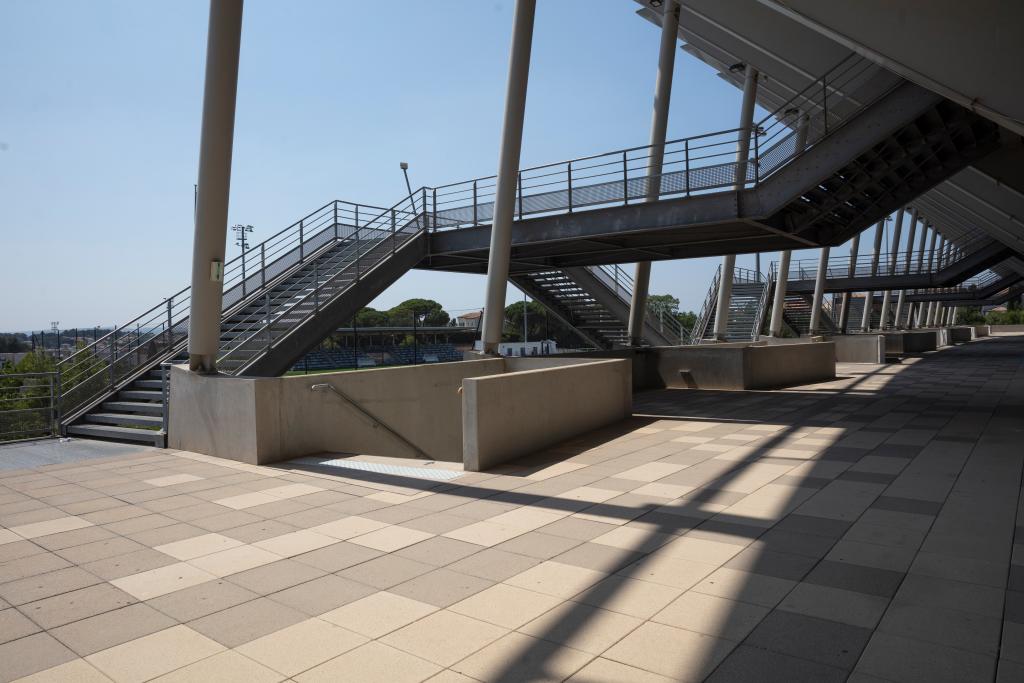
<point>663,318</point>
<point>29,405</point>
<point>707,309</point>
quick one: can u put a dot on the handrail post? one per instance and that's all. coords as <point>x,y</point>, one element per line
<point>55,400</point>
<point>166,390</point>
<point>568,182</point>
<point>170,324</point>
<point>475,222</point>
<point>335,219</point>
<point>302,240</point>
<point>625,179</point>
<point>113,354</point>
<point>266,316</point>
<point>393,246</point>
<point>357,249</point>
<point>423,202</point>
<point>757,155</point>
<point>435,208</point>
<point>686,151</point>
<point>263,265</point>
<point>316,286</point>
<point>244,293</point>
<point>519,181</point>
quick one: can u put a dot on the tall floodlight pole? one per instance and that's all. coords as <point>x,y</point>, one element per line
<point>742,153</point>
<point>655,161</point>
<point>408,186</point>
<point>508,170</point>
<point>782,277</point>
<point>222,46</point>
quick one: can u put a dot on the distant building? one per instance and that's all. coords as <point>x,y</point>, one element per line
<point>470,320</point>
<point>545,347</point>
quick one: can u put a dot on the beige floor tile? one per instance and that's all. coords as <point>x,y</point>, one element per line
<point>736,584</point>
<point>371,663</point>
<point>649,472</point>
<point>679,654</point>
<point>344,529</point>
<point>8,536</point>
<point>712,615</point>
<point>485,533</point>
<point>589,494</point>
<point>154,655</point>
<point>292,490</point>
<point>835,604</point>
<point>163,580</point>
<point>527,518</point>
<point>391,538</point>
<point>378,614</point>
<point>670,571</point>
<point>225,667</point>
<point>505,605</point>
<point>556,579</point>
<point>634,598</point>
<point>50,527</point>
<point>234,560</point>
<point>603,670</point>
<point>295,543</point>
<point>171,480</point>
<point>246,500</point>
<point>633,538</point>
<point>444,637</point>
<point>700,550</point>
<point>660,490</point>
<point>302,646</point>
<point>582,627</point>
<point>518,657</point>
<point>197,546</point>
<point>75,671</point>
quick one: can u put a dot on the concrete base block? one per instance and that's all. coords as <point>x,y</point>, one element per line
<point>478,412</point>
<point>960,335</point>
<point>917,341</point>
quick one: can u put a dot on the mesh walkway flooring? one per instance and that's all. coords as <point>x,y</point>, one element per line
<point>861,529</point>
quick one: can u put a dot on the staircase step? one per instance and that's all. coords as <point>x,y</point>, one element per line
<point>125,419</point>
<point>148,384</point>
<point>134,407</point>
<point>96,431</point>
<point>141,394</point>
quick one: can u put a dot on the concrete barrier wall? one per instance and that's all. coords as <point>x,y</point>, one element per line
<point>409,412</point>
<point>960,335</point>
<point>982,331</point>
<point>917,341</point>
<point>860,348</point>
<point>509,415</point>
<point>1004,329</point>
<point>766,367</point>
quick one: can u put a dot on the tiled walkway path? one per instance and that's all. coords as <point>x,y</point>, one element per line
<point>859,530</point>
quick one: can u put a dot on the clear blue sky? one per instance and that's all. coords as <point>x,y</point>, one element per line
<point>100,106</point>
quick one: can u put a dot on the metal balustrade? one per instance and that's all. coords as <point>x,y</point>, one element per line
<point>661,317</point>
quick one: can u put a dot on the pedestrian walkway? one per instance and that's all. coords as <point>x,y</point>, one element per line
<point>861,529</point>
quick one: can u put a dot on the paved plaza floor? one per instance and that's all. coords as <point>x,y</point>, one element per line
<point>861,529</point>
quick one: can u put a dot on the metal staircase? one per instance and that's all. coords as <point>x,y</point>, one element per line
<point>796,314</point>
<point>595,301</point>
<point>280,299</point>
<point>747,306</point>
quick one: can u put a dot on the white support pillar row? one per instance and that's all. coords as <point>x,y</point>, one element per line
<point>819,291</point>
<point>865,322</point>
<point>894,248</point>
<point>901,300</point>
<point>659,130</point>
<point>782,277</point>
<point>211,221</point>
<point>844,312</point>
<point>742,154</point>
<point>508,171</point>
<point>952,315</point>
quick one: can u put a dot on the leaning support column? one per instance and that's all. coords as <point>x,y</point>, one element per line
<point>742,154</point>
<point>211,221</point>
<point>844,312</point>
<point>869,300</point>
<point>894,248</point>
<point>782,281</point>
<point>819,291</point>
<point>659,129</point>
<point>508,171</point>
<point>901,300</point>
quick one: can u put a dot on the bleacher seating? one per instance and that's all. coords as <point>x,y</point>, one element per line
<point>346,357</point>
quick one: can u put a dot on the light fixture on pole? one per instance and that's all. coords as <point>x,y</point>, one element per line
<point>240,235</point>
<point>404,165</point>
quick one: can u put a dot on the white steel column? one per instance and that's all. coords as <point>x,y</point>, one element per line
<point>659,129</point>
<point>819,291</point>
<point>844,313</point>
<point>900,301</point>
<point>865,323</point>
<point>894,248</point>
<point>782,277</point>
<point>742,154</point>
<point>508,170</point>
<point>211,223</point>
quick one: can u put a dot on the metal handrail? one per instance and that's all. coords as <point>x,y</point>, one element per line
<point>700,327</point>
<point>621,284</point>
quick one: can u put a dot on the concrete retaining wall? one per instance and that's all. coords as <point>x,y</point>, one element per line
<point>516,413</point>
<point>1004,329</point>
<point>960,335</point>
<point>408,412</point>
<point>917,341</point>
<point>860,348</point>
<point>766,367</point>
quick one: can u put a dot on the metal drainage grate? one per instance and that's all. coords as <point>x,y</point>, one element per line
<point>381,468</point>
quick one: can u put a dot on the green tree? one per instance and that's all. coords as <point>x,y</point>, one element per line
<point>428,312</point>
<point>371,317</point>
